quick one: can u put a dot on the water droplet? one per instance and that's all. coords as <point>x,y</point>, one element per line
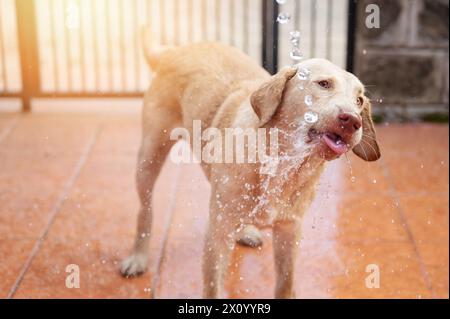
<point>284,18</point>
<point>353,179</point>
<point>294,36</point>
<point>296,55</point>
<point>364,52</point>
<point>374,181</point>
<point>303,74</point>
<point>309,100</point>
<point>311,117</point>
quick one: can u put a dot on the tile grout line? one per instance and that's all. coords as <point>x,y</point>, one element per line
<point>56,209</point>
<point>170,211</point>
<point>401,212</point>
<point>9,128</point>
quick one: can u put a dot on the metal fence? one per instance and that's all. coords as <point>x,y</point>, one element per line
<point>92,48</point>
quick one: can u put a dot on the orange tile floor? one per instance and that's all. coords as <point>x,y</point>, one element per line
<point>67,197</point>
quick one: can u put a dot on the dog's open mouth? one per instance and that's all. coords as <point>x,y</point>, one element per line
<point>334,141</point>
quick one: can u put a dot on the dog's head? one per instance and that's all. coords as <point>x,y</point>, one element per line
<point>325,103</point>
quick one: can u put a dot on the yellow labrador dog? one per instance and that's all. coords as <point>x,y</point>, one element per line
<point>319,112</point>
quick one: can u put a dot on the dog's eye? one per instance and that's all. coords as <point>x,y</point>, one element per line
<point>325,84</point>
<point>360,101</point>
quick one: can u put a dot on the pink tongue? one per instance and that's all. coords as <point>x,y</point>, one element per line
<point>338,147</point>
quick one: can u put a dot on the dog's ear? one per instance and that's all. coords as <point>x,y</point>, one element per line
<point>368,148</point>
<point>267,98</point>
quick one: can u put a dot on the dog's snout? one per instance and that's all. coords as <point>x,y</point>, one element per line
<point>350,122</point>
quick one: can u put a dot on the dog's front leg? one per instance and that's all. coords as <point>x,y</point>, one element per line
<point>286,235</point>
<point>219,243</point>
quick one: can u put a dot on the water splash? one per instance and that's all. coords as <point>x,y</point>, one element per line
<point>280,167</point>
<point>311,117</point>
<point>352,178</point>
<point>303,73</point>
<point>294,37</point>
<point>284,18</point>
<point>296,54</point>
<point>308,100</point>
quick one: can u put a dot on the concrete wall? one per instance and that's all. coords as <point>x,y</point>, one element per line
<point>404,63</point>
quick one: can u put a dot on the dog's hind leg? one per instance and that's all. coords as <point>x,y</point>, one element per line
<point>155,146</point>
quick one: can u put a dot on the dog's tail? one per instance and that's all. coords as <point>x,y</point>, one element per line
<point>152,51</point>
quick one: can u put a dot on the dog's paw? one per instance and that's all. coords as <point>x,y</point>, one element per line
<point>251,237</point>
<point>133,266</point>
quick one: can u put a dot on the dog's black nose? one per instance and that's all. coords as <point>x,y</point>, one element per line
<point>349,122</point>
